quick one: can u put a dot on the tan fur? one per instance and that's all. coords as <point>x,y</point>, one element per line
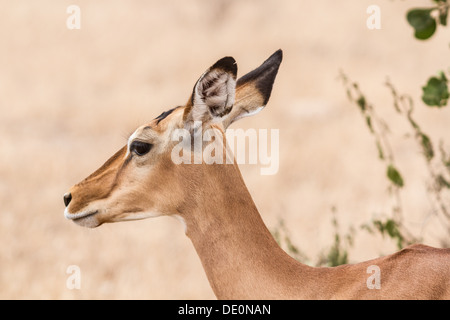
<point>248,100</point>
<point>239,255</point>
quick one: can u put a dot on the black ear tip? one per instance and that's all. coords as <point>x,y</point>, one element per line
<point>276,57</point>
<point>227,64</point>
<point>279,54</point>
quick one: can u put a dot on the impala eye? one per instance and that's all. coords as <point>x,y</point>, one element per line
<point>140,148</point>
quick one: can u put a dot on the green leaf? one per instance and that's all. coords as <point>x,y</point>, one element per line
<point>380,150</point>
<point>422,22</point>
<point>391,228</point>
<point>442,182</point>
<point>369,123</point>
<point>394,176</point>
<point>290,246</point>
<point>367,227</point>
<point>445,158</point>
<point>362,103</point>
<point>426,146</point>
<point>435,92</point>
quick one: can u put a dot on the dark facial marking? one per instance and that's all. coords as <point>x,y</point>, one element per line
<point>164,115</point>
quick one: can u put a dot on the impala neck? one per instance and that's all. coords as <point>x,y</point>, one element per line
<point>240,257</point>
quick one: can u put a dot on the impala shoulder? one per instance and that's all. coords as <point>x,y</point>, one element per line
<point>420,255</point>
<point>418,247</point>
<point>423,249</point>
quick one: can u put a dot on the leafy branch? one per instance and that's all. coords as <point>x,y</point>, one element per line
<point>389,228</point>
<point>425,20</point>
<point>379,130</point>
<point>403,104</point>
<point>435,92</point>
<point>335,255</point>
<point>338,252</point>
<point>377,127</point>
<point>282,236</point>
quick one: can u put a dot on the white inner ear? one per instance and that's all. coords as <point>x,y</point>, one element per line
<point>213,95</point>
<point>248,113</point>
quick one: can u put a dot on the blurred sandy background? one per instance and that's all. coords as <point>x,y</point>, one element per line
<point>70,98</point>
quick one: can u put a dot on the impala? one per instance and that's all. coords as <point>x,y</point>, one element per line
<point>238,253</point>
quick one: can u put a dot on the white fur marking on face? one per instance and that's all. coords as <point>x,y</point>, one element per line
<point>66,213</point>
<point>132,137</point>
<point>183,222</point>
<point>141,216</point>
<point>78,215</point>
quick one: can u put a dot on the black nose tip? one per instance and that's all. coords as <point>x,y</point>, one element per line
<point>67,199</point>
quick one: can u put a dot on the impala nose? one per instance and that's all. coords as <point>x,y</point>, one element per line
<point>67,198</point>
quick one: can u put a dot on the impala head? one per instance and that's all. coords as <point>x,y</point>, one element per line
<point>141,180</point>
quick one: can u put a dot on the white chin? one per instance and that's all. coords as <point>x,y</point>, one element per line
<point>91,218</point>
<point>136,216</point>
<point>85,219</point>
<point>88,222</point>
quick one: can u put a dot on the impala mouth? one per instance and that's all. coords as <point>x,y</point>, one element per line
<point>80,215</point>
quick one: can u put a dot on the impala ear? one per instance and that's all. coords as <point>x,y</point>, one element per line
<point>213,95</point>
<point>253,89</point>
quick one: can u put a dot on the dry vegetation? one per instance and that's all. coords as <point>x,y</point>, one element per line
<point>69,99</point>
